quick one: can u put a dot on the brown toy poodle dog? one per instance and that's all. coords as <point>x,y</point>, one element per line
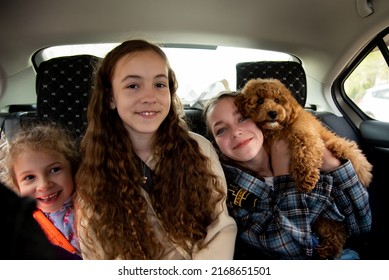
<point>271,105</point>
<point>274,109</point>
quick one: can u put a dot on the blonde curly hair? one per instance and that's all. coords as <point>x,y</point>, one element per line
<point>39,137</point>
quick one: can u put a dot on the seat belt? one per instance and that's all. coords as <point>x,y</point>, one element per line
<point>52,233</point>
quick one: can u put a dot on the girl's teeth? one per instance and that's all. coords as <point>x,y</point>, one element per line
<point>49,197</point>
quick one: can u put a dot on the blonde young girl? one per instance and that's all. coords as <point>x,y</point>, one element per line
<point>41,162</point>
<point>147,188</point>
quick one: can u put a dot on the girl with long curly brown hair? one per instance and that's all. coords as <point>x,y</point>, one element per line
<point>147,187</point>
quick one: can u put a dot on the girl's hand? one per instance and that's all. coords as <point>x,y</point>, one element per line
<point>330,163</point>
<point>280,157</point>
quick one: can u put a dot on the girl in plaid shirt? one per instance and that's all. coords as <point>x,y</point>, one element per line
<point>274,219</point>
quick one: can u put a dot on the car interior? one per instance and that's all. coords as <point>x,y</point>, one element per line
<point>327,50</point>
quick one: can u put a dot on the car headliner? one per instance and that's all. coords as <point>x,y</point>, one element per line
<point>324,34</point>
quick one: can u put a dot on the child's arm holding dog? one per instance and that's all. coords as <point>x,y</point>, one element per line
<point>280,157</point>
<point>280,222</point>
<point>269,223</point>
<point>347,191</point>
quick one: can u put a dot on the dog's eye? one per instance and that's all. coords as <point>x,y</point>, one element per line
<point>276,100</point>
<point>260,101</point>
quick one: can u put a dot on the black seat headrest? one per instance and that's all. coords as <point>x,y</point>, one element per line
<point>63,87</point>
<point>290,73</point>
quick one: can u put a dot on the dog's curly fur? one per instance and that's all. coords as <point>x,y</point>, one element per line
<point>271,105</point>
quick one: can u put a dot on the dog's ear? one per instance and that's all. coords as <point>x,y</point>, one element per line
<point>246,101</point>
<point>286,92</point>
<point>292,107</point>
<point>243,104</point>
<point>290,96</point>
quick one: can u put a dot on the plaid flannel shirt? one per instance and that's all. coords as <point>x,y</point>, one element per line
<point>277,220</point>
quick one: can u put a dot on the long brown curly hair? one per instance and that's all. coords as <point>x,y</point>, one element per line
<point>109,191</point>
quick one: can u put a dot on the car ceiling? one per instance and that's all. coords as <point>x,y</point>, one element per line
<point>324,34</point>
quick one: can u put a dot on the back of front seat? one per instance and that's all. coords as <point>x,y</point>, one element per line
<point>63,88</point>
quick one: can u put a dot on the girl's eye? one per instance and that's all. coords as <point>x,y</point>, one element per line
<point>160,85</point>
<point>54,169</point>
<point>242,119</point>
<point>220,131</point>
<point>28,178</point>
<point>133,86</point>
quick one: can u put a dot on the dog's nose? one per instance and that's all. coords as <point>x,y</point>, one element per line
<point>272,114</point>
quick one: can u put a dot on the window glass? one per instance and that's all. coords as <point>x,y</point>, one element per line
<point>368,85</point>
<point>202,71</point>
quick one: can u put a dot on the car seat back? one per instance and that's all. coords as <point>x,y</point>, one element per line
<point>63,87</point>
<point>290,73</point>
<point>194,119</point>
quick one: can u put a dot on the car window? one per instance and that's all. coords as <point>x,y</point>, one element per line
<point>368,85</point>
<point>381,93</point>
<point>202,71</point>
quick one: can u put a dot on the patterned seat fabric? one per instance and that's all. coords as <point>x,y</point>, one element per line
<point>63,88</point>
<point>291,73</point>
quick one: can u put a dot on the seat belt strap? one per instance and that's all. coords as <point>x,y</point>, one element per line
<point>52,233</point>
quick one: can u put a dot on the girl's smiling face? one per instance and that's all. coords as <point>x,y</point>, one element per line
<point>46,176</point>
<point>237,137</point>
<point>141,92</point>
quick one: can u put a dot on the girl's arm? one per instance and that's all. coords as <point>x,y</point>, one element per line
<point>280,159</point>
<point>352,200</point>
<point>280,224</point>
